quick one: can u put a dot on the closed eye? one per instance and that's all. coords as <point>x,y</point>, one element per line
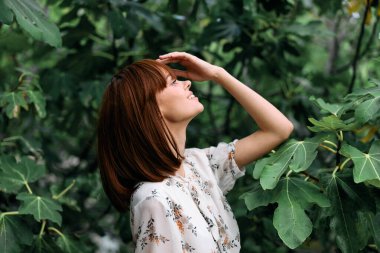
<point>174,82</point>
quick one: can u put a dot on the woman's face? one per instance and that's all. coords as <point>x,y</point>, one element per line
<point>176,102</point>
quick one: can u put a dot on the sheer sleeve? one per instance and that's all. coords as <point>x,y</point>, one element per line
<point>154,229</point>
<point>223,165</point>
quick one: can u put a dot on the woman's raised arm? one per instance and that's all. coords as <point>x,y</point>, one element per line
<point>274,127</point>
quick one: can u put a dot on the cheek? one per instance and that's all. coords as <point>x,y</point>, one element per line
<point>180,110</point>
<point>176,108</point>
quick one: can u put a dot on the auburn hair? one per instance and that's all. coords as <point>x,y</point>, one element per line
<point>133,142</point>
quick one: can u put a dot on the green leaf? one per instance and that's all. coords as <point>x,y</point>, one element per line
<point>69,245</point>
<point>6,15</point>
<point>45,245</point>
<point>330,123</point>
<point>13,233</point>
<point>308,29</point>
<point>259,197</point>
<point>366,166</point>
<point>40,207</point>
<point>223,29</point>
<point>297,155</point>
<point>367,110</point>
<point>344,220</point>
<point>92,93</point>
<point>39,102</point>
<point>64,200</point>
<point>375,183</point>
<point>374,226</point>
<point>12,101</point>
<point>293,196</point>
<point>32,19</point>
<point>13,42</point>
<point>376,82</point>
<point>290,219</point>
<point>307,193</point>
<point>259,166</point>
<point>292,223</point>
<point>373,92</point>
<point>14,175</point>
<point>118,23</point>
<point>335,109</point>
<point>150,17</point>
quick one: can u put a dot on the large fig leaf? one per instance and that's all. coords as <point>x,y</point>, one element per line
<point>293,196</point>
<point>40,207</point>
<point>366,166</point>
<point>295,155</point>
<point>330,123</point>
<point>13,233</point>
<point>290,220</point>
<point>14,175</point>
<point>346,197</point>
<point>32,19</point>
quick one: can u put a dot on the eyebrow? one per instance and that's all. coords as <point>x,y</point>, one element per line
<point>171,78</point>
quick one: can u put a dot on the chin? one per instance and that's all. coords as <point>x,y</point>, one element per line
<point>201,107</point>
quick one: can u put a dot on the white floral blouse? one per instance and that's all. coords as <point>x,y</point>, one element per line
<point>191,213</point>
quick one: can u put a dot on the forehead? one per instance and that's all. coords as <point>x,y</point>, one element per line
<point>168,75</point>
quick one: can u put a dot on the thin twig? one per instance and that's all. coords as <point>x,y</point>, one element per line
<point>309,176</point>
<point>357,52</point>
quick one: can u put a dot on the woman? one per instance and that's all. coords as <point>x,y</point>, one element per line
<point>176,195</point>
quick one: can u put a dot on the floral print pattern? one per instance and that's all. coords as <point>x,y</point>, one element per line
<point>150,235</point>
<point>190,213</point>
<point>179,218</point>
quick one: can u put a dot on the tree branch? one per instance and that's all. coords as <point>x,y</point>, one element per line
<point>333,47</point>
<point>365,50</point>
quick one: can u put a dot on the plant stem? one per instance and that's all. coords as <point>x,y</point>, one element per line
<point>328,148</point>
<point>289,172</point>
<point>340,136</point>
<point>372,246</point>
<point>28,187</point>
<point>344,163</point>
<point>42,228</point>
<point>55,230</point>
<point>339,145</point>
<point>64,191</point>
<point>307,175</point>
<point>335,170</point>
<point>10,213</point>
<point>331,143</point>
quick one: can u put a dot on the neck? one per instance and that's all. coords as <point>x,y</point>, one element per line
<point>179,134</point>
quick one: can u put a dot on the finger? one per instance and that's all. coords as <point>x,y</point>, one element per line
<point>181,73</point>
<point>168,55</point>
<point>167,61</point>
<point>176,55</point>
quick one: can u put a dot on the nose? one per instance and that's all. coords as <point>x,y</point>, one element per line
<point>187,84</point>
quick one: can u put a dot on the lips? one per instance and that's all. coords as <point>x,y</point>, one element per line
<point>191,96</point>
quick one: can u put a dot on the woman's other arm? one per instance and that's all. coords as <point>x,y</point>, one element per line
<point>274,127</point>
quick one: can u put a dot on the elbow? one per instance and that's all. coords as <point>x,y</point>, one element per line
<point>286,130</point>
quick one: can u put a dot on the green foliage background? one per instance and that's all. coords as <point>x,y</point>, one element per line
<point>317,61</point>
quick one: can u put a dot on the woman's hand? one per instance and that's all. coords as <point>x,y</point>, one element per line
<point>196,69</point>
